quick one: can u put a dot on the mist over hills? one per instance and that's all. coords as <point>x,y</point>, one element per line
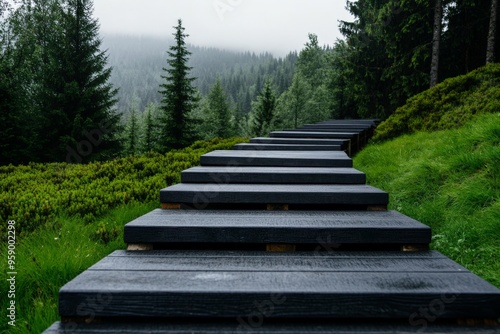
<point>137,63</point>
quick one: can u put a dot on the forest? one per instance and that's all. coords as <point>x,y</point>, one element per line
<point>70,94</point>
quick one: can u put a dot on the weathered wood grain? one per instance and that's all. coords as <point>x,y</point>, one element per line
<point>299,134</point>
<point>276,158</point>
<point>196,194</point>
<point>363,290</point>
<point>286,147</point>
<point>293,227</point>
<point>273,175</point>
<point>263,325</point>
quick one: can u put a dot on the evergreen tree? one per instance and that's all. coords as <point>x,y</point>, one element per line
<point>219,112</point>
<point>150,129</point>
<point>132,133</point>
<point>179,96</point>
<point>263,110</point>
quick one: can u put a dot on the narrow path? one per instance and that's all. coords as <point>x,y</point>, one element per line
<point>281,235</point>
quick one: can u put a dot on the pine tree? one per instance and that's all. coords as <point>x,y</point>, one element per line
<point>150,129</point>
<point>132,133</point>
<point>179,96</point>
<point>263,110</point>
<point>219,111</point>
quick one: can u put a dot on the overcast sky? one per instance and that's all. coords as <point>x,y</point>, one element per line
<point>277,26</point>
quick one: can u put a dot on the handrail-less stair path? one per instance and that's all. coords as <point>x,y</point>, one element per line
<point>279,235</point>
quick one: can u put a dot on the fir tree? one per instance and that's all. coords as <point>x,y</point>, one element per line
<point>219,111</point>
<point>263,110</point>
<point>132,134</point>
<point>76,98</point>
<point>179,96</point>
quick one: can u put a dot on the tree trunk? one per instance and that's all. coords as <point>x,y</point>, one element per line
<point>436,41</point>
<point>490,50</point>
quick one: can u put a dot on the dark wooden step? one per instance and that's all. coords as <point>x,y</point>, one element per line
<point>258,323</point>
<point>307,141</point>
<point>373,122</point>
<point>193,284</point>
<point>305,134</point>
<point>336,129</point>
<point>276,158</point>
<point>200,195</point>
<point>286,147</point>
<point>273,175</point>
<point>276,227</point>
<point>343,126</point>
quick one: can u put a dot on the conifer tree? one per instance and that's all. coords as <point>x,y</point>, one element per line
<point>179,96</point>
<point>263,110</point>
<point>219,111</point>
<point>77,99</point>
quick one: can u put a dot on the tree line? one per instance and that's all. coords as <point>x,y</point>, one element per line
<point>58,102</point>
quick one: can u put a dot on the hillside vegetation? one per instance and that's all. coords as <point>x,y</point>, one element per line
<point>449,179</point>
<point>35,194</point>
<point>448,105</point>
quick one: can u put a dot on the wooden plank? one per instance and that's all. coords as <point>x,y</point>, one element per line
<point>261,324</point>
<point>276,158</point>
<point>355,293</point>
<point>294,227</point>
<point>298,134</point>
<point>297,262</point>
<point>199,195</point>
<point>343,126</point>
<point>306,141</point>
<point>273,175</point>
<point>286,147</point>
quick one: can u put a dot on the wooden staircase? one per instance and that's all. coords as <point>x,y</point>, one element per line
<point>280,235</point>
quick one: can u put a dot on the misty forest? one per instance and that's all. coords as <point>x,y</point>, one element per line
<point>70,94</point>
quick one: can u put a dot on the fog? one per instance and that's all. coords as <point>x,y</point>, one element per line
<point>277,26</point>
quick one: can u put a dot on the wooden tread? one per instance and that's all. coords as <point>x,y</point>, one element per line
<point>259,323</point>
<point>276,227</point>
<point>273,175</point>
<point>276,158</point>
<point>286,147</point>
<point>306,141</point>
<point>227,285</point>
<point>306,134</point>
<point>198,194</point>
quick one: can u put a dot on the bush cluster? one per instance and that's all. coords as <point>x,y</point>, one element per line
<point>448,105</point>
<point>33,195</point>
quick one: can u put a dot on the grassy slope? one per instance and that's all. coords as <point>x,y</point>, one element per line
<point>448,105</point>
<point>449,180</point>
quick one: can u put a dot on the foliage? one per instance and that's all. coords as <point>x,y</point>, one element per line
<point>179,95</point>
<point>35,194</point>
<point>58,91</point>
<point>137,63</point>
<point>448,105</point>
<point>217,119</point>
<point>263,110</point>
<point>450,181</point>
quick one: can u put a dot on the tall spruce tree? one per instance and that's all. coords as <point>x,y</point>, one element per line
<point>81,96</point>
<point>179,96</point>
<point>219,111</point>
<point>263,110</point>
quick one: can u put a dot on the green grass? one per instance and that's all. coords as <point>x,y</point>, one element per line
<point>450,181</point>
<point>68,217</point>
<point>447,105</point>
<point>49,258</point>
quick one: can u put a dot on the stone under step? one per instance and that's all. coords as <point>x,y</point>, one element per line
<point>276,158</point>
<point>307,141</point>
<point>286,147</point>
<point>273,175</point>
<point>258,323</point>
<point>306,134</point>
<point>325,229</point>
<point>335,285</point>
<point>200,196</point>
